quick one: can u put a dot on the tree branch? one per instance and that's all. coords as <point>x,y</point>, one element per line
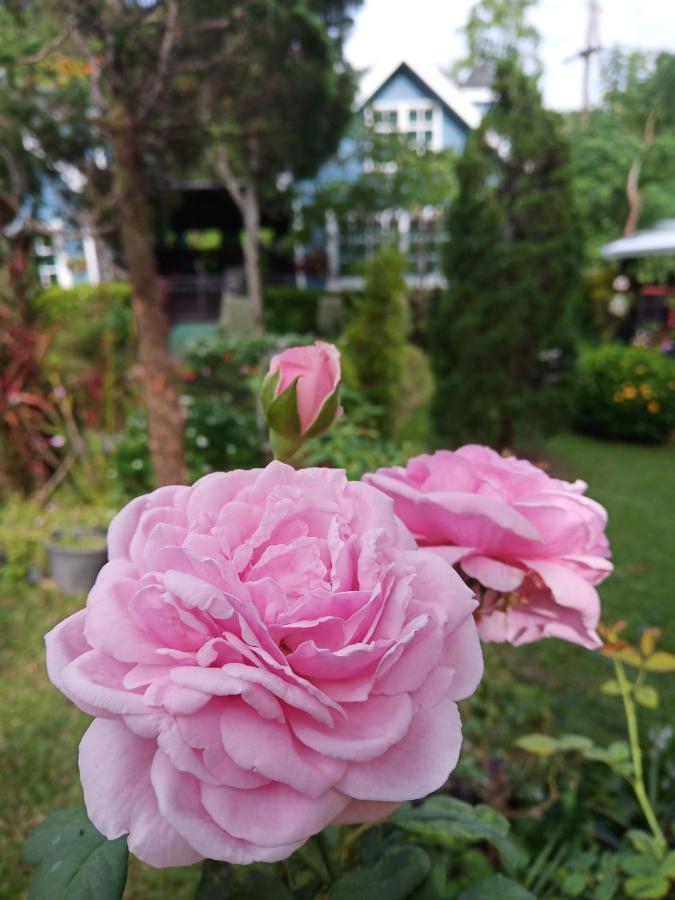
<point>42,54</point>
<point>230,180</point>
<point>158,84</point>
<point>94,67</point>
<point>633,178</point>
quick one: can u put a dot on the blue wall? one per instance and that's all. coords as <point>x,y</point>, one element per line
<point>405,85</point>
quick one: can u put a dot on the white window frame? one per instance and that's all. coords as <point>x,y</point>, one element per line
<point>403,108</point>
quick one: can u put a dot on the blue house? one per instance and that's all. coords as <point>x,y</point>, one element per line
<point>409,98</point>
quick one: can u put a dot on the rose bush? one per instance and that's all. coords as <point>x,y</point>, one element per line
<point>265,653</point>
<point>534,544</point>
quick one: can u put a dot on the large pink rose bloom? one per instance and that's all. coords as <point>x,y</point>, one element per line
<point>535,544</point>
<point>265,653</point>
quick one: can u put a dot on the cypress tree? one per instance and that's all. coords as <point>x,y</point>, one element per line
<point>502,335</point>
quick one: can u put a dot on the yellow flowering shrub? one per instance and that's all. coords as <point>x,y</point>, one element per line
<point>626,393</point>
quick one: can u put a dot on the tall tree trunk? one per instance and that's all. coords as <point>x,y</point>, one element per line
<point>21,248</point>
<point>251,215</point>
<point>633,194</point>
<point>165,416</point>
<point>243,192</point>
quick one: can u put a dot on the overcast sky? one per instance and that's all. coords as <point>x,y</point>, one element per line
<point>429,29</point>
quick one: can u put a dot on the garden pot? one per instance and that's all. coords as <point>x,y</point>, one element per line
<point>75,556</point>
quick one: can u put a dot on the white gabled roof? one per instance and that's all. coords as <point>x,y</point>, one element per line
<point>449,93</point>
<point>659,240</point>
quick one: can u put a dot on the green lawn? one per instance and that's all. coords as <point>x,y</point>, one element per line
<point>40,730</point>
<point>637,486</point>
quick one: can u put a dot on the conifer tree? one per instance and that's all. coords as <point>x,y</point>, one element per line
<point>503,333</point>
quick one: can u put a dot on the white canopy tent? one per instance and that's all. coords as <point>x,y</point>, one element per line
<point>659,240</point>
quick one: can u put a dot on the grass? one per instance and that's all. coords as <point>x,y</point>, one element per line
<point>40,730</point>
<point>636,484</point>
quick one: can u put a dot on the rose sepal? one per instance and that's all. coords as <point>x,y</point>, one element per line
<point>330,411</point>
<point>281,412</point>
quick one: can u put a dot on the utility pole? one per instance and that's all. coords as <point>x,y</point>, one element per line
<point>591,47</point>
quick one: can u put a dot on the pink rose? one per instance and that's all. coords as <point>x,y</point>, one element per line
<point>535,544</point>
<point>265,653</point>
<point>300,395</point>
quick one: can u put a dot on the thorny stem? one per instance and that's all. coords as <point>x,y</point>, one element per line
<point>637,779</point>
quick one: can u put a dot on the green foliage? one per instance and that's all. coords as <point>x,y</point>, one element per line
<point>290,310</point>
<point>502,335</point>
<point>626,393</point>
<point>92,347</point>
<point>447,822</point>
<point>25,525</point>
<point>75,861</point>
<point>220,880</point>
<point>649,861</point>
<point>376,335</point>
<point>394,877</point>
<point>296,51</point>
<point>633,126</point>
<point>394,174</point>
<point>496,886</point>
<point>354,442</point>
<point>219,392</point>
<point>218,437</point>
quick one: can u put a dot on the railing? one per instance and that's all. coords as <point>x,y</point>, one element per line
<point>194,298</point>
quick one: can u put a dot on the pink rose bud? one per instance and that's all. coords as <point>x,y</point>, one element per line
<point>532,546</point>
<point>300,395</point>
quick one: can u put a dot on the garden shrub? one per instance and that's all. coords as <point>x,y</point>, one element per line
<point>289,309</point>
<point>376,335</point>
<point>25,525</point>
<point>91,350</point>
<point>353,443</point>
<point>218,436</point>
<point>626,393</point>
<point>417,389</point>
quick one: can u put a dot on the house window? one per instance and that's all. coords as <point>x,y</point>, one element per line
<point>360,236</point>
<point>420,120</point>
<point>420,235</point>
<point>426,238</point>
<point>386,120</point>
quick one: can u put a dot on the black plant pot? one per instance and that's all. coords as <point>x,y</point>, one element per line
<point>74,568</point>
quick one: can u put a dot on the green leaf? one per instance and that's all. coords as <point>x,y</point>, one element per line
<point>647,887</point>
<point>648,640</point>
<point>574,884</point>
<point>221,880</point>
<point>434,885</point>
<point>574,742</point>
<point>496,887</point>
<point>445,821</point>
<point>611,688</point>
<point>628,655</point>
<point>541,744</point>
<point>643,842</point>
<point>638,864</point>
<point>647,696</point>
<point>667,867</point>
<point>660,662</point>
<point>394,877</point>
<point>75,861</point>
<point>619,750</point>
